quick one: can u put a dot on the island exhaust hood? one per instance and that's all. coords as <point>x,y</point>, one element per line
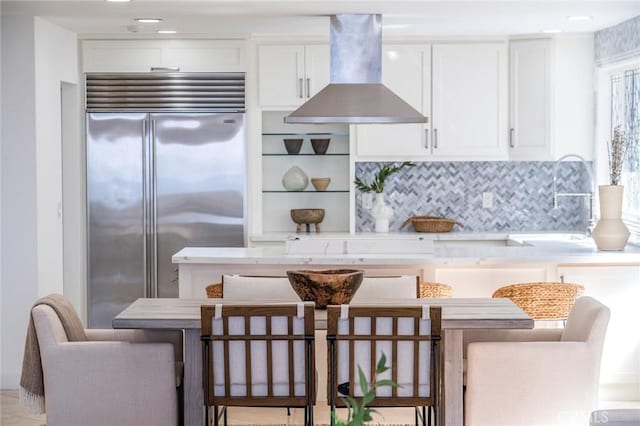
<point>356,94</point>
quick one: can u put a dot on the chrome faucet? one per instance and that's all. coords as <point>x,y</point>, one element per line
<point>588,195</point>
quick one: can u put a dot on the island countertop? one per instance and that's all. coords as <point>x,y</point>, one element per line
<point>450,248</point>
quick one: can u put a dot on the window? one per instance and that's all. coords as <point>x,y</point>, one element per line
<point>625,111</point>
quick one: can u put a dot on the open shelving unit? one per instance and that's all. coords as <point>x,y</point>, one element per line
<point>276,200</point>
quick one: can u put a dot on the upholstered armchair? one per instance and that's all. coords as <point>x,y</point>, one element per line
<point>538,377</point>
<point>116,377</point>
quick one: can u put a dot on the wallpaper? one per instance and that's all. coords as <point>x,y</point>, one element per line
<point>522,195</point>
<point>618,43</point>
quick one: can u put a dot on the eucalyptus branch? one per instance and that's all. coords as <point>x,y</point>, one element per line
<point>617,151</point>
<point>380,177</point>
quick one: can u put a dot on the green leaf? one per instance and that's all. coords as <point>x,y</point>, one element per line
<point>368,397</point>
<point>364,385</point>
<point>382,363</point>
<point>386,382</point>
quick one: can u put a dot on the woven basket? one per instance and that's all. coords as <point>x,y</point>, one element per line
<point>430,290</point>
<point>431,224</point>
<point>544,300</point>
<point>214,291</point>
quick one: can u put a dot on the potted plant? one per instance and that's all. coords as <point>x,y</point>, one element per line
<point>358,412</point>
<point>611,233</point>
<point>381,211</point>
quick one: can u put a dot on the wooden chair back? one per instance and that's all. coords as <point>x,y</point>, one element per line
<point>408,335</point>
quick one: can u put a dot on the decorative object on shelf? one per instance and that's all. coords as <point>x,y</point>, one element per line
<point>295,179</point>
<point>320,184</point>
<point>293,145</point>
<point>328,287</point>
<point>381,211</point>
<point>431,224</point>
<point>611,233</point>
<point>307,217</point>
<point>320,146</point>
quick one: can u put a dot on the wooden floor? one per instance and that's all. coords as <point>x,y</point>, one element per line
<point>12,414</point>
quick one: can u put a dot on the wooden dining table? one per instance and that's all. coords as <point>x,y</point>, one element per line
<point>458,315</point>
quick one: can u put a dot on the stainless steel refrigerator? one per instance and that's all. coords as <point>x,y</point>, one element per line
<point>157,182</point>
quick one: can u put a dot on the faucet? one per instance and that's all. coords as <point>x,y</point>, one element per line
<point>588,195</point>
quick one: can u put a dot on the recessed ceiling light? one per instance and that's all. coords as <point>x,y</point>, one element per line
<point>148,20</point>
<point>167,31</point>
<point>579,18</point>
<point>552,31</point>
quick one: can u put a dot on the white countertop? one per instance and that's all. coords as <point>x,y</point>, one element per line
<point>449,248</point>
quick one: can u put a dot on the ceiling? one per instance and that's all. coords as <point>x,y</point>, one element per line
<point>237,18</point>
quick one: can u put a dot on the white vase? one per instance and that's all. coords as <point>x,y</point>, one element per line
<point>382,213</point>
<point>295,179</point>
<point>610,233</point>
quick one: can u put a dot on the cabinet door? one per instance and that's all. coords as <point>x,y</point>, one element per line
<point>403,69</point>
<point>281,75</point>
<point>530,99</point>
<point>618,287</point>
<point>120,56</point>
<point>317,64</point>
<point>204,55</point>
<point>469,105</point>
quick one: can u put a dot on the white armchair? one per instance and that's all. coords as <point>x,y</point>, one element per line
<point>117,377</point>
<point>539,377</point>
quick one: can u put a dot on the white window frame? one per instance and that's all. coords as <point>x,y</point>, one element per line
<point>603,134</point>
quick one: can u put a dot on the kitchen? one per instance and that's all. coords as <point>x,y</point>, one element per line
<point>489,186</point>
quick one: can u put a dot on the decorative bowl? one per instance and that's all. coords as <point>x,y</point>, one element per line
<point>293,145</point>
<point>320,184</point>
<point>328,287</point>
<point>320,145</point>
<point>304,216</point>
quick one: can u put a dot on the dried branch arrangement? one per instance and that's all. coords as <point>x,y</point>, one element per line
<point>617,151</point>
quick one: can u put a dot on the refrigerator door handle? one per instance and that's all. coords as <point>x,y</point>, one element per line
<point>154,213</point>
<point>145,224</point>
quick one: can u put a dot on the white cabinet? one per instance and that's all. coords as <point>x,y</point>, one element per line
<point>406,70</point>
<point>482,282</point>
<point>530,66</point>
<point>460,87</point>
<point>618,287</point>
<point>469,100</point>
<point>169,55</point>
<point>291,74</point>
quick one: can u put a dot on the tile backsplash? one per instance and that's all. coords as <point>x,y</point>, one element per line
<point>522,195</point>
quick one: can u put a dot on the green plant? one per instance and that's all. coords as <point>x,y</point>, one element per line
<point>359,413</point>
<point>380,177</point>
<point>617,151</point>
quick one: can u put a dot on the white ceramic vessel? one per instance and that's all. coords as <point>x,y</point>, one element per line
<point>610,233</point>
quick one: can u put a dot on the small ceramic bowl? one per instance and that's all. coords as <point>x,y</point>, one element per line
<point>320,145</point>
<point>320,184</point>
<point>293,145</point>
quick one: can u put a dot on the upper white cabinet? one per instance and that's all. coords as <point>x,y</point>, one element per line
<point>460,87</point>
<point>163,55</point>
<point>291,74</point>
<point>469,101</point>
<point>406,70</point>
<point>530,66</point>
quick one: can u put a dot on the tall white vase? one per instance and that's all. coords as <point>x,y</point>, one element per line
<point>610,233</point>
<point>382,213</point>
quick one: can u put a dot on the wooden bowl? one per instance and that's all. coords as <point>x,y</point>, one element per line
<point>328,287</point>
<point>320,184</point>
<point>320,145</point>
<point>304,216</point>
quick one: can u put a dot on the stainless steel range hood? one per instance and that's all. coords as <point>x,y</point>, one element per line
<point>356,93</point>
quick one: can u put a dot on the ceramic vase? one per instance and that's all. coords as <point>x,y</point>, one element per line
<point>295,179</point>
<point>610,233</point>
<point>382,213</point>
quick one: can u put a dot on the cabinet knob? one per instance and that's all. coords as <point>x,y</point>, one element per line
<point>511,142</point>
<point>308,87</point>
<point>435,138</point>
<point>426,138</point>
<point>165,69</point>
<point>300,89</point>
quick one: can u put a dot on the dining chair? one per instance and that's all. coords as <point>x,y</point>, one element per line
<point>258,355</point>
<point>407,335</point>
<point>537,377</point>
<point>114,377</point>
<point>245,287</point>
<point>385,287</point>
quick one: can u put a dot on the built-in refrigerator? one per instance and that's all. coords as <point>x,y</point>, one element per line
<point>157,182</point>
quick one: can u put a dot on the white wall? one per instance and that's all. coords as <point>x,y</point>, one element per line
<point>37,57</point>
<point>18,158</point>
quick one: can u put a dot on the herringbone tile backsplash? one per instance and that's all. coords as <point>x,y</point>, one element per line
<point>522,195</point>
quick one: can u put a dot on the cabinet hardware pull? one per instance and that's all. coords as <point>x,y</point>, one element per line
<point>511,144</point>
<point>300,95</point>
<point>160,69</point>
<point>426,138</point>
<point>435,138</point>
<point>308,87</point>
